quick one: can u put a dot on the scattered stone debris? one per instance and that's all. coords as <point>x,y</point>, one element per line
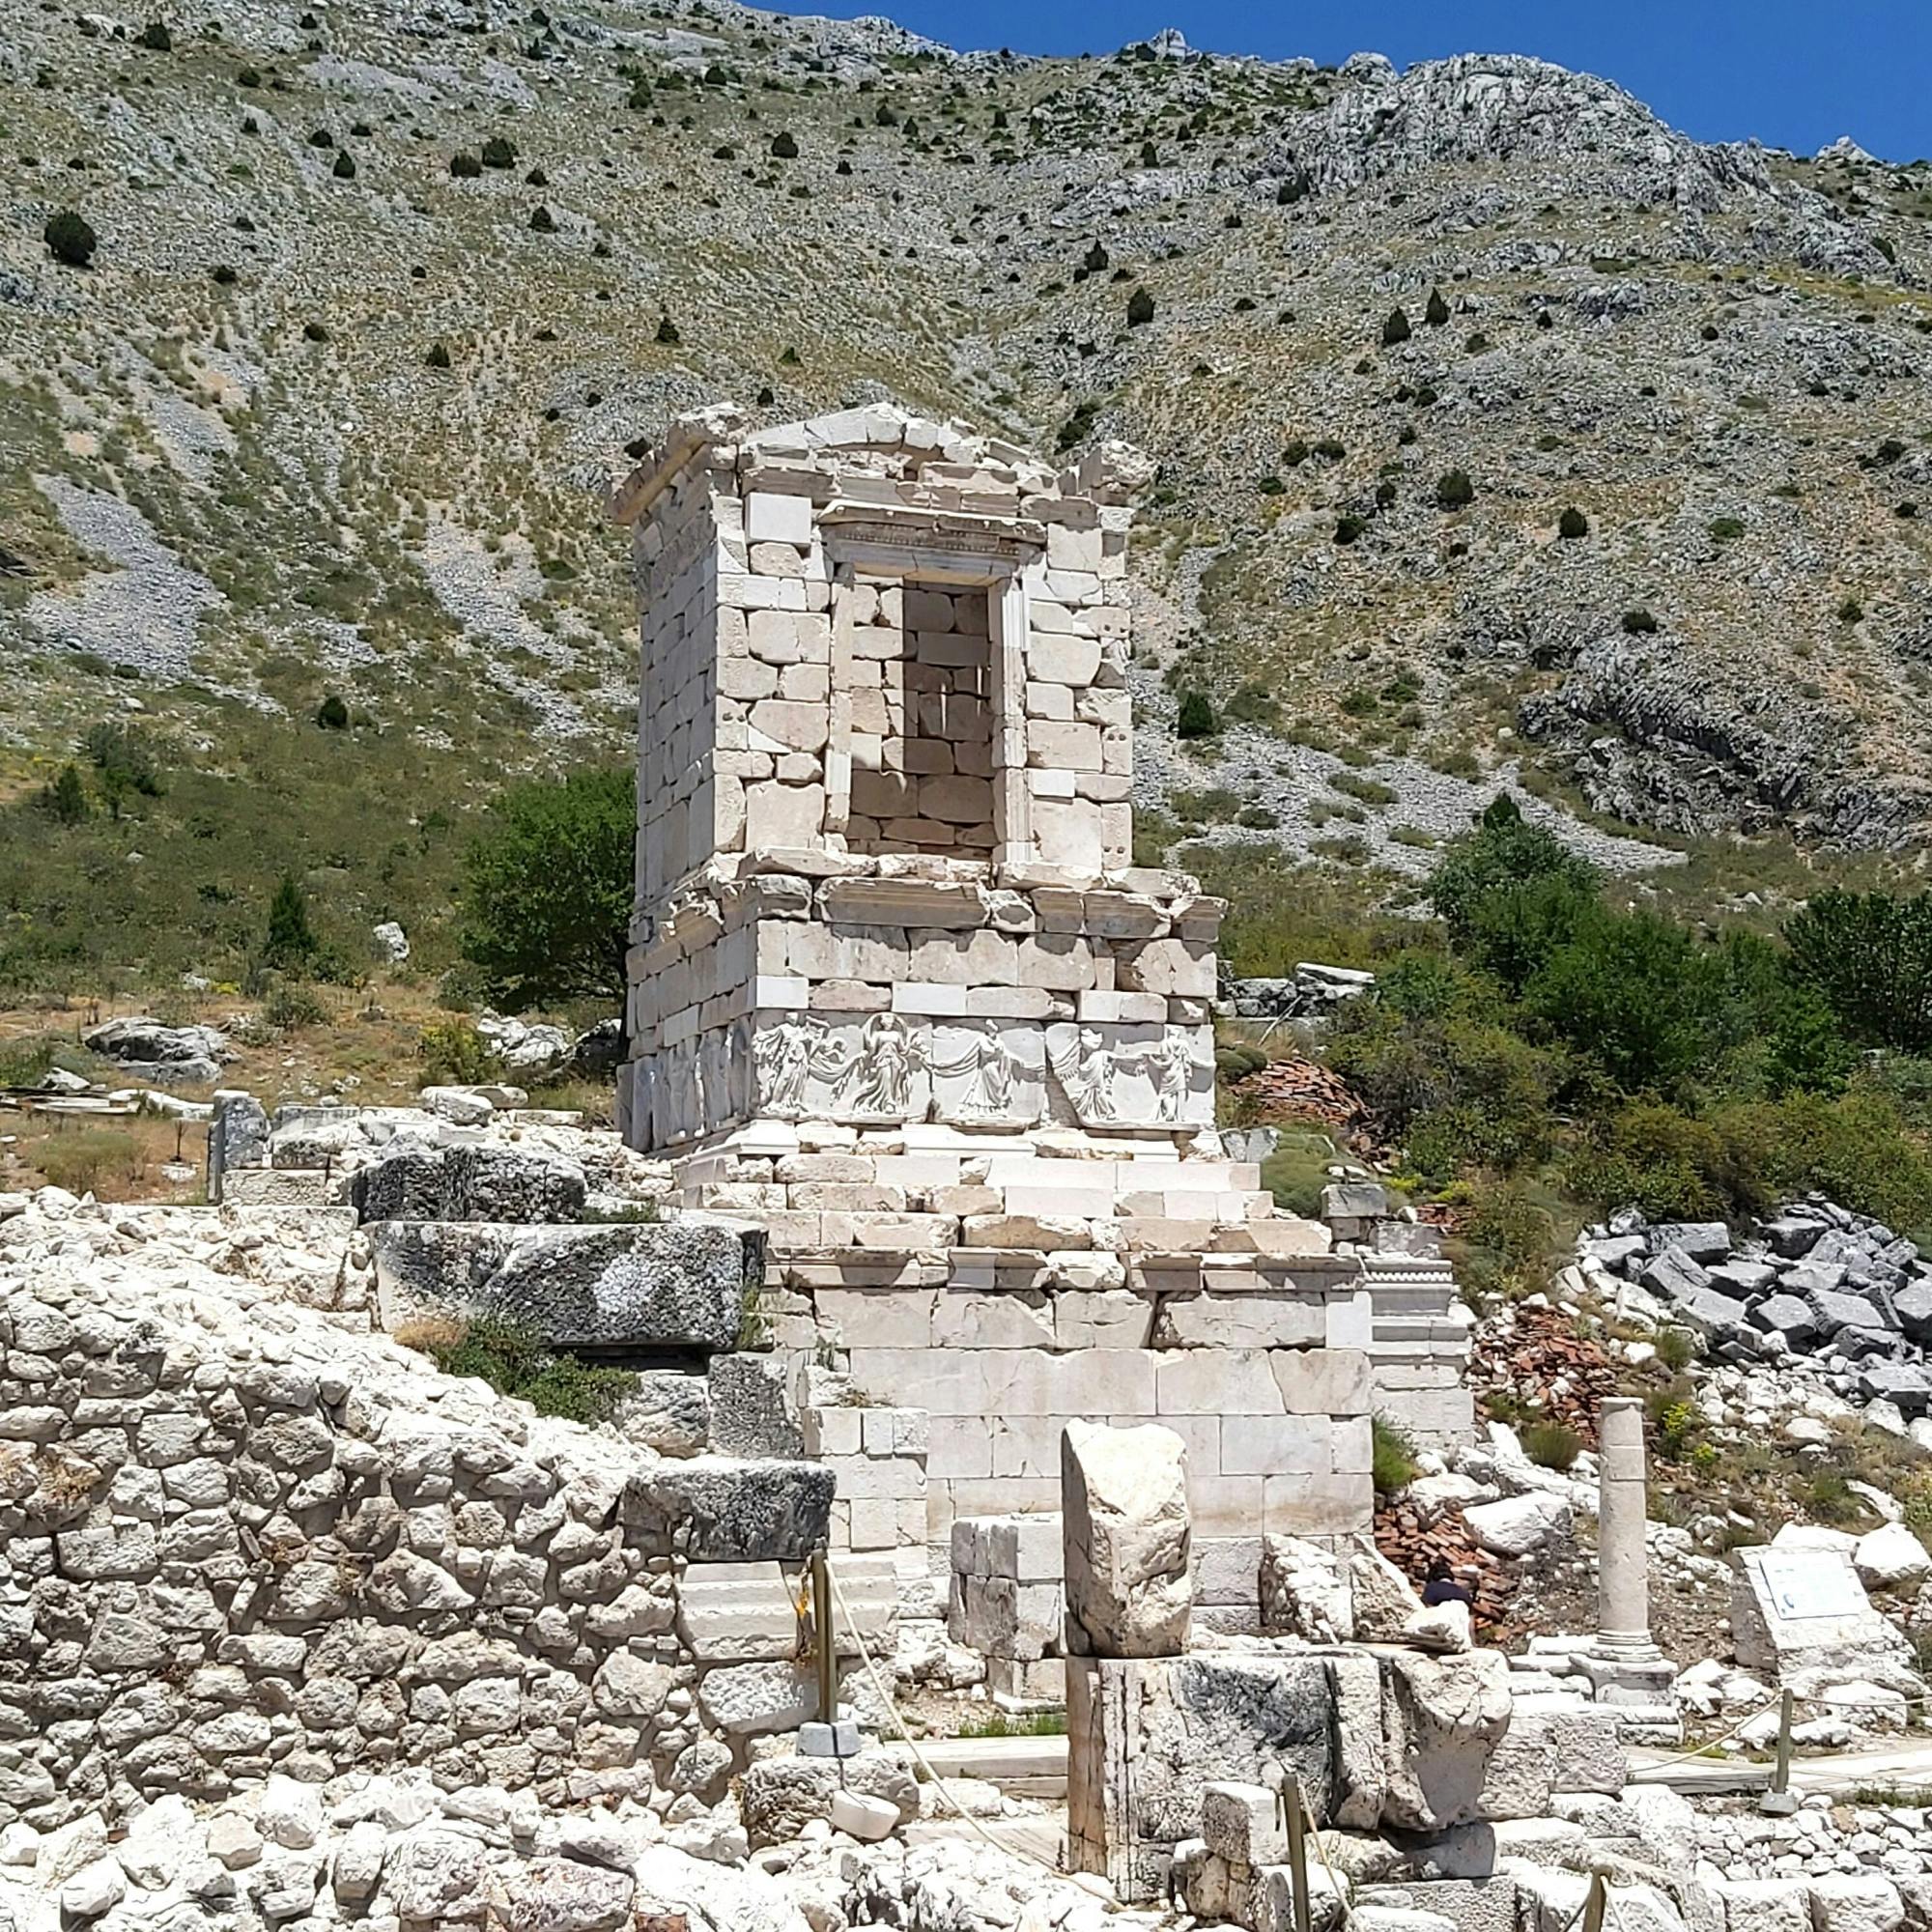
<point>1835,1296</point>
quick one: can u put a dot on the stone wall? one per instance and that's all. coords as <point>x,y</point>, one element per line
<point>243,1535</point>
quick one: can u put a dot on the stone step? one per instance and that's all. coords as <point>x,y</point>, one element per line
<point>1022,1767</point>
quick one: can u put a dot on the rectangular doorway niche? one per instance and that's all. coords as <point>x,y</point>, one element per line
<point>923,717</point>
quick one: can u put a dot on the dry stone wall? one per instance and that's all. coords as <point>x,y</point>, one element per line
<point>244,1535</point>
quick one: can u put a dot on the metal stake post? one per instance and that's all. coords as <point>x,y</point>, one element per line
<point>1297,1852</point>
<point>821,1625</point>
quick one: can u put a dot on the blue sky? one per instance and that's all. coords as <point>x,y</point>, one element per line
<point>1793,75</point>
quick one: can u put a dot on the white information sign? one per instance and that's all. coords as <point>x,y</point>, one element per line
<point>1812,1583</point>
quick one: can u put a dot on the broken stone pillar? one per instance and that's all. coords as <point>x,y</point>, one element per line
<point>1123,1501</point>
<point>1624,1666</point>
<point>1623,1567</point>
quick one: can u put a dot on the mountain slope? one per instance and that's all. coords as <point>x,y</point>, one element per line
<point>325,416</point>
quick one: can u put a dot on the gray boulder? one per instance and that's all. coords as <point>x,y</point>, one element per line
<point>183,1056</point>
<point>724,1510</point>
<point>664,1284</point>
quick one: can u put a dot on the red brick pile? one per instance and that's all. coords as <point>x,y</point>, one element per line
<point>1299,1089</point>
<point>1415,1551</point>
<point>1544,1364</point>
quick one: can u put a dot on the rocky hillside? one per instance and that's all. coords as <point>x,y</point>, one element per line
<point>379,293</point>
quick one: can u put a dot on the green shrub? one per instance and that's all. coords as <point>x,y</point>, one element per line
<point>1454,491</point>
<point>332,714</point>
<point>1395,329</point>
<point>542,220</point>
<point>1506,1244</point>
<point>438,356</point>
<point>548,888</point>
<point>70,239</point>
<point>1573,523</point>
<point>1392,1456</point>
<point>1850,611</point>
<point>156,38</point>
<point>454,1054</point>
<point>1552,1445</point>
<point>1140,308</point>
<point>290,944</point>
<point>499,153</point>
<point>1870,955</point>
<point>344,168</point>
<point>1640,623</point>
<point>667,333</point>
<point>1196,718</point>
<point>289,1009</point>
<point>1437,311</point>
<point>65,799</point>
<point>465,166</point>
<point>784,147</point>
<point>1510,894</point>
<point>1726,529</point>
<point>516,1363</point>
<point>1368,790</point>
<point>1676,1348</point>
<point>1348,527</point>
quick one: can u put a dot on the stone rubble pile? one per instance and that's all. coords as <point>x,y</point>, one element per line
<point>1816,1286</point>
<point>1312,992</point>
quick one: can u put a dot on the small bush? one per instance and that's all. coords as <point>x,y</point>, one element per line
<point>1639,623</point>
<point>438,356</point>
<point>667,332</point>
<point>1395,329</point>
<point>542,220</point>
<point>1393,1455</point>
<point>1552,1445</point>
<point>332,714</point>
<point>1850,611</point>
<point>1348,527</point>
<point>454,1054</point>
<point>156,38</point>
<point>1140,308</point>
<point>515,1362</point>
<point>1454,491</point>
<point>784,147</point>
<point>64,800</point>
<point>498,153</point>
<point>290,944</point>
<point>1436,313</point>
<point>70,239</point>
<point>1196,716</point>
<point>289,1009</point>
<point>344,168</point>
<point>1726,529</point>
<point>465,166</point>
<point>1573,523</point>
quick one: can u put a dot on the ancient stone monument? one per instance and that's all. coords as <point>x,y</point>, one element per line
<point>899,994</point>
<point>884,862</point>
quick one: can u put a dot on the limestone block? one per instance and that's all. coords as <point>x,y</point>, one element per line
<point>1243,1824</point>
<point>1177,968</point>
<point>1855,1902</point>
<point>565,1896</point>
<point>1146,1736</point>
<point>750,1410</point>
<point>1126,1531</point>
<point>1763,1905</point>
<point>1382,1599</point>
<point>1443,1718</point>
<point>1522,1771</point>
<point>1324,1381</point>
<point>1361,1757</point>
<point>727,1509</point>
<point>770,517</point>
<point>782,815</point>
<point>1304,1592</point>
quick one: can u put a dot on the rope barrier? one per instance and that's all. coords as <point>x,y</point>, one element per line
<point>1085,1881</point>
